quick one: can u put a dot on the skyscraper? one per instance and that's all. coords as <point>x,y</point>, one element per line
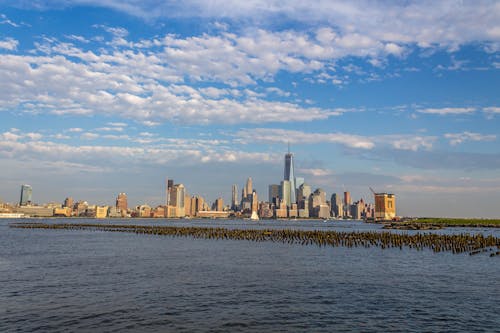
<point>336,203</point>
<point>347,204</point>
<point>169,184</point>
<point>290,177</point>
<point>274,193</point>
<point>286,192</point>
<point>68,202</point>
<point>234,197</point>
<point>177,197</point>
<point>248,187</point>
<point>26,192</point>
<point>121,202</point>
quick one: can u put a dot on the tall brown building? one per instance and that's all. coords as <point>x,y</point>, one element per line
<point>249,187</point>
<point>121,202</point>
<point>385,206</point>
<point>187,204</point>
<point>68,202</point>
<point>219,204</point>
<point>347,204</point>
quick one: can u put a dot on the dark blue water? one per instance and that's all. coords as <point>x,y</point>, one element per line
<point>64,280</point>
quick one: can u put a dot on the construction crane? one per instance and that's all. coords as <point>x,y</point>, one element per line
<point>372,190</point>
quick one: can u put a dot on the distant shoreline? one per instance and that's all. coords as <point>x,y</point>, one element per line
<point>429,223</point>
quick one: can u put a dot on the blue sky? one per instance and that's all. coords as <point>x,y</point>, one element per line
<point>102,97</point>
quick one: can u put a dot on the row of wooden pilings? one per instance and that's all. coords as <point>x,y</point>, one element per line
<point>455,243</point>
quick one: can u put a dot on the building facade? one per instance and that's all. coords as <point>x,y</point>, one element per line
<point>26,195</point>
<point>385,206</point>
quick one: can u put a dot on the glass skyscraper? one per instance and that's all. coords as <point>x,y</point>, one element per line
<point>290,176</point>
<point>26,192</point>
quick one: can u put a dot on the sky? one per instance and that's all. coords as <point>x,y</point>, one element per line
<point>108,96</point>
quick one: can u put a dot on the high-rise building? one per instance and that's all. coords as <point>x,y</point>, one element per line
<point>304,191</point>
<point>249,187</point>
<point>26,194</point>
<point>234,197</point>
<point>285,192</point>
<point>274,193</point>
<point>219,204</point>
<point>169,184</point>
<point>336,202</point>
<point>298,182</point>
<point>68,202</point>
<point>177,196</point>
<point>289,175</point>
<point>347,204</point>
<point>122,202</point>
<point>385,206</point>
<point>187,204</point>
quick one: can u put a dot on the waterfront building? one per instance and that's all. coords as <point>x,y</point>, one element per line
<point>347,205</point>
<point>144,210</point>
<point>200,204</point>
<point>158,212</point>
<point>266,210</point>
<point>303,213</point>
<point>298,183</point>
<point>289,175</point>
<point>101,212</point>
<point>285,192</point>
<point>234,197</point>
<point>187,204</point>
<point>80,208</point>
<point>303,192</point>
<point>212,214</point>
<point>385,206</point>
<point>293,211</point>
<point>176,200</point>
<point>169,184</point>
<point>274,193</point>
<point>193,206</point>
<point>35,211</point>
<point>68,202</point>
<point>323,211</point>
<point>219,205</point>
<point>281,211</point>
<point>358,210</point>
<point>249,187</point>
<point>113,212</point>
<point>63,211</point>
<point>336,205</point>
<point>121,203</point>
<point>26,195</point>
<point>318,206</point>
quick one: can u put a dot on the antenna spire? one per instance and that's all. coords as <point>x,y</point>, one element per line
<point>288,147</point>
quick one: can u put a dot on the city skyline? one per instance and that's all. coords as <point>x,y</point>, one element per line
<point>102,98</point>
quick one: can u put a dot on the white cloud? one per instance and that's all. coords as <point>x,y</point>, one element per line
<point>316,172</point>
<point>458,138</point>
<point>5,20</point>
<point>297,137</point>
<point>408,142</point>
<point>447,111</point>
<point>77,38</point>
<point>109,129</point>
<point>89,136</point>
<point>9,44</point>
<point>492,109</point>
<point>425,22</point>
<point>405,142</point>
<point>171,151</point>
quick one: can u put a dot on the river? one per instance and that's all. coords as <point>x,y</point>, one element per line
<point>81,280</point>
